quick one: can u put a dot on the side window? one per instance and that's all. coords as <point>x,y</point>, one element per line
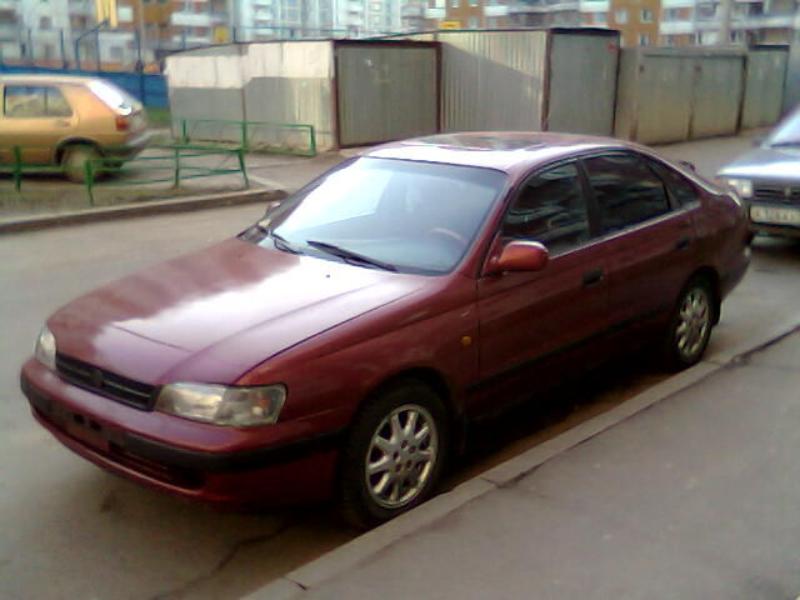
<point>57,105</point>
<point>32,102</point>
<point>627,192</point>
<point>681,190</point>
<point>550,209</point>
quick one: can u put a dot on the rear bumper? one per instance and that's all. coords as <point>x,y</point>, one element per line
<point>130,148</point>
<point>735,272</point>
<point>293,471</point>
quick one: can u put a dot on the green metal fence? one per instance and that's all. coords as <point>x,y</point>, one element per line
<point>163,163</point>
<point>279,138</point>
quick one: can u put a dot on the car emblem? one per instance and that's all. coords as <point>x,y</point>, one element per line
<point>97,378</point>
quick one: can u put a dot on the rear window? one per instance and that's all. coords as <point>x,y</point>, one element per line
<point>114,97</point>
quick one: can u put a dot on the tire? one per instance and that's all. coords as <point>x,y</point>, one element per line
<point>74,158</point>
<point>690,326</point>
<point>388,465</point>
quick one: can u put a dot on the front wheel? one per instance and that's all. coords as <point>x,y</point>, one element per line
<point>394,454</point>
<point>690,326</point>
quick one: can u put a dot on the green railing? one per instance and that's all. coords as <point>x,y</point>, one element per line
<point>278,138</point>
<point>162,163</point>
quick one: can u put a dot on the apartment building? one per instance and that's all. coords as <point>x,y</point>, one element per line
<point>636,20</point>
<point>685,22</point>
<point>297,19</point>
<point>468,14</point>
<point>33,28</point>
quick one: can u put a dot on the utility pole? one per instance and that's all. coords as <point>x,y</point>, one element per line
<point>142,36</point>
<point>724,34</point>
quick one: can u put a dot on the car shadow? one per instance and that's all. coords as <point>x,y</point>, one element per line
<point>500,438</point>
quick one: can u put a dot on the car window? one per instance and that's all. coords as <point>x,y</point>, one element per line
<point>681,190</point>
<point>30,102</point>
<point>416,216</point>
<point>627,192</point>
<point>550,209</point>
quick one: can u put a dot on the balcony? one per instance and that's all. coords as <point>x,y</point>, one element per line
<point>749,22</point>
<point>435,13</point>
<point>595,6</point>
<point>599,6</point>
<point>186,19</point>
<point>81,7</point>
<point>677,4</point>
<point>676,27</point>
<point>412,10</point>
<point>9,32</point>
<point>550,6</point>
<point>125,14</point>
<point>498,10</point>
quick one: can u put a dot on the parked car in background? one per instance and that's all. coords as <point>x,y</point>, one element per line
<point>768,179</point>
<point>339,345</point>
<point>67,121</point>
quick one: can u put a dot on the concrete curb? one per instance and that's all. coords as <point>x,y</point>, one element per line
<point>140,209</point>
<point>360,550</point>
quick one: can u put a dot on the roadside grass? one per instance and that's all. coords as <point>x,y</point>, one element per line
<point>159,117</point>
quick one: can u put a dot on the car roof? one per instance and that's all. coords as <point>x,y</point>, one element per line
<point>45,78</point>
<point>511,152</point>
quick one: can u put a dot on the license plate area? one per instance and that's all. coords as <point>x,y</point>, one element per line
<point>773,215</point>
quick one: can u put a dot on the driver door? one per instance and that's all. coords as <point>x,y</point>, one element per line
<point>532,322</point>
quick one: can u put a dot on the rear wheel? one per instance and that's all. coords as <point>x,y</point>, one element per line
<point>75,158</point>
<point>690,326</point>
<point>394,454</point>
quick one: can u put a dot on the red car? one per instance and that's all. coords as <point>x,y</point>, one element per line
<point>338,346</point>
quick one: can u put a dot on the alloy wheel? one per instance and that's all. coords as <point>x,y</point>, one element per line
<point>694,322</point>
<point>401,456</point>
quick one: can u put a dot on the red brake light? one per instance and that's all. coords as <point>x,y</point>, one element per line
<point>123,124</point>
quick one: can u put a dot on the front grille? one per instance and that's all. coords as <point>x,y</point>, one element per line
<point>105,383</point>
<point>784,194</point>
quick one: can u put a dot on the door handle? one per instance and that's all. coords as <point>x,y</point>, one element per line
<point>593,277</point>
<point>683,243</point>
<point>63,123</point>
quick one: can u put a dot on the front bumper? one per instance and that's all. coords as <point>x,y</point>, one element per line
<point>779,229</point>
<point>250,467</point>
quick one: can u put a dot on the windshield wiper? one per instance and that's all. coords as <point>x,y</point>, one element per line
<point>349,255</point>
<point>281,243</point>
<point>785,144</point>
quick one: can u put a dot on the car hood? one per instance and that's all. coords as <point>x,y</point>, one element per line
<point>215,314</point>
<point>781,163</point>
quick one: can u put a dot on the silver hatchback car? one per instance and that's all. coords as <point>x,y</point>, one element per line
<point>768,179</point>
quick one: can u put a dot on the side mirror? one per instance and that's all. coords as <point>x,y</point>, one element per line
<point>520,256</point>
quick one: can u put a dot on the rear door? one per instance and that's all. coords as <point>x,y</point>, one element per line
<point>35,119</point>
<point>531,321</point>
<point>650,241</point>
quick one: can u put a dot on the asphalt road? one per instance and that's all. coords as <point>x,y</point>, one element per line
<point>69,530</point>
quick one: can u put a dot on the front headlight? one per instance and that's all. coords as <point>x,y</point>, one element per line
<point>743,187</point>
<point>222,405</point>
<point>45,351</point>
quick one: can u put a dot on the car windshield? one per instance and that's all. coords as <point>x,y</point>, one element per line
<point>389,214</point>
<point>788,132</point>
<point>114,97</point>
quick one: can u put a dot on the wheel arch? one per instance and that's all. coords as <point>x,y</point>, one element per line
<point>75,141</point>
<point>436,381</point>
<point>711,275</point>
